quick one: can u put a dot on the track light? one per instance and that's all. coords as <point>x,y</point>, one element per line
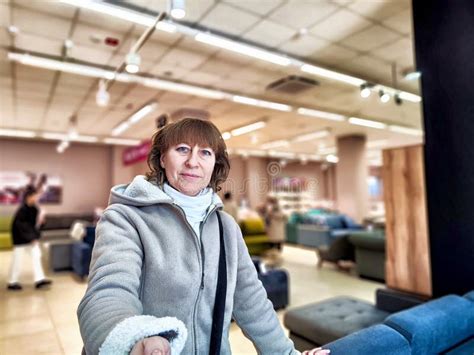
<point>102,97</point>
<point>132,61</point>
<point>384,96</point>
<point>178,8</point>
<point>365,90</point>
<point>398,100</point>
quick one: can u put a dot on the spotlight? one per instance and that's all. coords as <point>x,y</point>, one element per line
<point>133,61</point>
<point>398,100</point>
<point>177,9</point>
<point>102,97</point>
<point>365,90</point>
<point>384,96</point>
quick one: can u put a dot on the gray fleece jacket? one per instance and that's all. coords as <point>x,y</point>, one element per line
<point>150,273</point>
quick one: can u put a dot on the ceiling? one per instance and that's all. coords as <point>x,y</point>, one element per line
<point>371,40</point>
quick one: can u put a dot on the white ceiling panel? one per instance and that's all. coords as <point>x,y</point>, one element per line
<point>33,43</point>
<point>169,71</point>
<point>202,78</point>
<point>87,35</point>
<point>41,24</point>
<point>183,58</point>
<point>339,25</point>
<point>255,74</point>
<point>401,22</point>
<point>261,7</point>
<point>370,38</point>
<point>105,21</point>
<point>301,14</point>
<point>238,59</point>
<point>4,14</point>
<point>222,17</point>
<point>370,68</point>
<point>219,68</point>
<point>392,52</point>
<point>74,82</point>
<point>304,45</point>
<point>55,8</point>
<point>90,54</point>
<point>269,33</point>
<point>333,54</point>
<point>378,10</point>
<point>151,50</point>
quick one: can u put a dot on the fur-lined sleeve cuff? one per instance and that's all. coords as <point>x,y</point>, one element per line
<point>125,334</point>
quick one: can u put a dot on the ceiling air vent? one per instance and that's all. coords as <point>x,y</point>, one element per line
<point>292,84</point>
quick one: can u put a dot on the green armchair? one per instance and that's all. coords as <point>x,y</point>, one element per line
<point>5,232</point>
<point>255,236</point>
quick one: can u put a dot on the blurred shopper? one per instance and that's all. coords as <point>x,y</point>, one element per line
<point>169,269</point>
<point>230,206</point>
<point>25,232</point>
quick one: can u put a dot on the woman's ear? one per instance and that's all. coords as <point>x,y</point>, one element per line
<point>161,162</point>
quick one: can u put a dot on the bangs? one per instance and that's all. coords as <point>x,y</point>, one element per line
<point>193,132</point>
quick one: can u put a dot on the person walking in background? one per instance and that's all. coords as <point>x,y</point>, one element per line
<point>26,234</point>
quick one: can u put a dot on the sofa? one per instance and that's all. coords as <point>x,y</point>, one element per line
<point>255,236</point>
<point>275,282</point>
<point>441,326</point>
<point>57,226</point>
<point>5,232</point>
<point>369,247</point>
<point>81,253</point>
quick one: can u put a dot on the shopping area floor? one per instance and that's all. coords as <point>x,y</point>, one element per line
<point>44,321</point>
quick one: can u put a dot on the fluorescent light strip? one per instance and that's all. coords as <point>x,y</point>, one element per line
<point>121,13</point>
<point>312,69</point>
<point>226,135</point>
<point>287,155</point>
<point>406,130</point>
<point>320,114</point>
<point>16,133</point>
<point>261,103</point>
<point>311,136</point>
<point>240,48</point>
<point>275,144</point>
<point>63,136</point>
<point>248,128</point>
<point>367,123</point>
<point>119,141</point>
<point>122,127</point>
<point>331,158</point>
<point>222,42</point>
<point>141,113</point>
<point>184,89</point>
<point>86,139</point>
<point>329,150</point>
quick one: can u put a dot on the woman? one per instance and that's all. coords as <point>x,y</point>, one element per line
<point>156,260</point>
<point>25,238</point>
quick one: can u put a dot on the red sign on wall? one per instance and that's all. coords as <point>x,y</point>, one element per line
<point>133,155</point>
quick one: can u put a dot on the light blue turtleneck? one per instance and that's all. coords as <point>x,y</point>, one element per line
<point>195,207</point>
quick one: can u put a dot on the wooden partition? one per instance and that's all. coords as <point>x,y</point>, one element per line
<point>408,262</point>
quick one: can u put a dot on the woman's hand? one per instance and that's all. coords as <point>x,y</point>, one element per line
<point>317,351</point>
<point>152,346</point>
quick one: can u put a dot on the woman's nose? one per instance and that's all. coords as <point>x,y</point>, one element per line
<point>192,159</point>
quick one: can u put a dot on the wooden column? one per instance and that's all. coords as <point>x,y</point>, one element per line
<point>408,262</point>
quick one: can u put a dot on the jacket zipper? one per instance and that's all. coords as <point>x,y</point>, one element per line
<point>201,259</point>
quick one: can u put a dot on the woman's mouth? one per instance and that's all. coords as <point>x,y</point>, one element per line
<point>188,176</point>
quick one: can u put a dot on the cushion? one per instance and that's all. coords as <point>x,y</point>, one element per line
<point>378,339</point>
<point>435,326</point>
<point>465,348</point>
<point>252,226</point>
<point>349,223</point>
<point>332,319</point>
<point>335,222</point>
<point>470,295</point>
<point>6,223</point>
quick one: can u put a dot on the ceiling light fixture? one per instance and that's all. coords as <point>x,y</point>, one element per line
<point>384,96</point>
<point>409,97</point>
<point>331,158</point>
<point>134,118</point>
<point>16,133</point>
<point>367,123</point>
<point>406,130</point>
<point>261,103</point>
<point>411,74</point>
<point>102,97</point>
<point>311,136</point>
<point>185,89</point>
<point>275,144</point>
<point>62,146</point>
<point>366,90</point>
<point>177,8</point>
<point>330,74</point>
<point>120,141</point>
<point>133,61</point>
<point>226,136</point>
<point>320,114</point>
<point>244,49</point>
<point>248,128</point>
<point>397,99</point>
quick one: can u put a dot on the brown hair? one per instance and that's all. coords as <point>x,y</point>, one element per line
<point>191,131</point>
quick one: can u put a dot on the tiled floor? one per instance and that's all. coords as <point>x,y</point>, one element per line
<point>44,321</point>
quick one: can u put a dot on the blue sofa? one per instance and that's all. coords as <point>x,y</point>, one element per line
<point>441,326</point>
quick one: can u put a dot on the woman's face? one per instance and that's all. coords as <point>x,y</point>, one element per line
<point>188,169</point>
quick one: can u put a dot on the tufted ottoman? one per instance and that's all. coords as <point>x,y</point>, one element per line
<point>322,322</point>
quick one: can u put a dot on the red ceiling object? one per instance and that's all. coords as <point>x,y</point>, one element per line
<point>111,41</point>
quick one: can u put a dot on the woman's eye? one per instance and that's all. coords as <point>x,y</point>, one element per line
<point>182,149</point>
<point>207,153</point>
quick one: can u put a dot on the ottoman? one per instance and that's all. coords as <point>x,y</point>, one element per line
<point>60,254</point>
<point>323,322</point>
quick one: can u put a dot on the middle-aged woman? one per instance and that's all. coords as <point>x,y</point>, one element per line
<point>161,281</point>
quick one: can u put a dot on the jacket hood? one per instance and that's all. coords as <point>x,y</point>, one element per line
<point>141,192</point>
